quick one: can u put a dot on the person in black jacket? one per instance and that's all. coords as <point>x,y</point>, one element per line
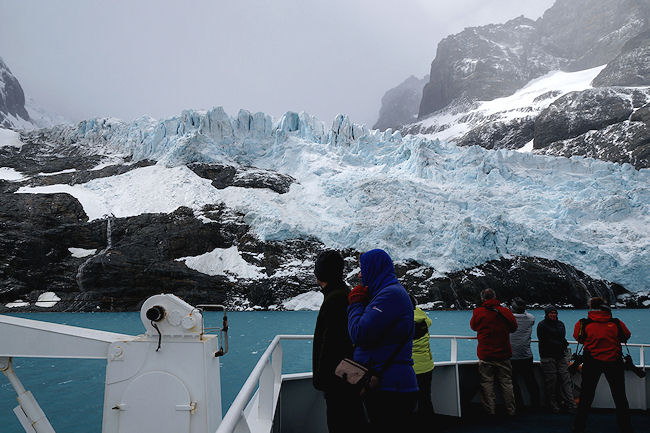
<point>554,358</point>
<point>331,344</point>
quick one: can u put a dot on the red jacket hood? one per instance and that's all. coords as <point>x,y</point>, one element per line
<point>600,315</point>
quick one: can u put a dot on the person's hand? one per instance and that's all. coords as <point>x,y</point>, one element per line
<point>358,294</point>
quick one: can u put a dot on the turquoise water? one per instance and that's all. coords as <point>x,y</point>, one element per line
<point>70,391</point>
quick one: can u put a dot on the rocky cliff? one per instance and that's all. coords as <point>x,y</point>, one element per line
<point>484,63</point>
<point>400,105</point>
<point>12,99</point>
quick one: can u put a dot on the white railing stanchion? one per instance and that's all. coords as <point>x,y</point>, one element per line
<point>454,350</point>
<point>265,393</point>
<point>276,362</point>
<point>642,356</point>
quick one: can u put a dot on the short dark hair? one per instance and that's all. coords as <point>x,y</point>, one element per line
<point>598,303</point>
<point>518,305</point>
<point>329,266</point>
<point>488,294</point>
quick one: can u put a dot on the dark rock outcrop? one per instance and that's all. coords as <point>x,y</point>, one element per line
<point>223,176</point>
<point>400,105</point>
<point>12,98</point>
<point>604,123</point>
<point>631,67</point>
<point>578,112</point>
<point>500,135</point>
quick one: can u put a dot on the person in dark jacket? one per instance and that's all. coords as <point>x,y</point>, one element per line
<point>522,356</point>
<point>493,325</point>
<point>554,358</point>
<point>602,337</point>
<point>331,344</point>
<point>380,323</point>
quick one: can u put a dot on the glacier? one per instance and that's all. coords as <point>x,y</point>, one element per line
<point>445,206</point>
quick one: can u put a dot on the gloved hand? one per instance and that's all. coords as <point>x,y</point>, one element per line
<point>358,294</point>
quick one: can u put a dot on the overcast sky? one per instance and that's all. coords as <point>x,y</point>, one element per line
<point>128,58</point>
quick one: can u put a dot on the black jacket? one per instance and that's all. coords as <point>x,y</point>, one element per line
<point>552,338</point>
<point>331,340</point>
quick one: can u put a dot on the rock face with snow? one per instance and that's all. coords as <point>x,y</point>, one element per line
<point>597,123</point>
<point>484,63</point>
<point>12,98</point>
<point>400,105</point>
<point>631,67</point>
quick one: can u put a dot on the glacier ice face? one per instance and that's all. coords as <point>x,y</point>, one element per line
<point>446,206</point>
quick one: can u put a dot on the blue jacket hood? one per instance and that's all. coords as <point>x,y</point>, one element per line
<point>377,271</point>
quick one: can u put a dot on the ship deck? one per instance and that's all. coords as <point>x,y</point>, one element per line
<point>536,421</point>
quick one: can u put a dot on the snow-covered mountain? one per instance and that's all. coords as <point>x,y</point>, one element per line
<point>169,200</point>
<point>557,114</point>
<point>485,84</point>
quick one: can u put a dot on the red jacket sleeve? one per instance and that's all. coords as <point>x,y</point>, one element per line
<point>576,333</point>
<point>626,332</point>
<point>473,323</point>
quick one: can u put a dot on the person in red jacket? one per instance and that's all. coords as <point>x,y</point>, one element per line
<point>602,336</point>
<point>493,325</point>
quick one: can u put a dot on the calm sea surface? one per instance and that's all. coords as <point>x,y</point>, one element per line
<point>71,391</point>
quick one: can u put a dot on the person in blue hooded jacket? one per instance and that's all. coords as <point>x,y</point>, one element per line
<point>380,323</point>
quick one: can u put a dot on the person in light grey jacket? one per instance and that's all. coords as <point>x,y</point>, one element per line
<point>522,356</point>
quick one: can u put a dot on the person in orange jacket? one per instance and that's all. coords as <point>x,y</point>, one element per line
<point>602,336</point>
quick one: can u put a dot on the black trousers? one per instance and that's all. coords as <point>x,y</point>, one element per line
<point>615,375</point>
<point>345,412</point>
<point>524,368</point>
<point>424,410</point>
<point>391,412</point>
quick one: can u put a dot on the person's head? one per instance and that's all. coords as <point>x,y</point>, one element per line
<point>488,294</point>
<point>377,270</point>
<point>518,305</point>
<point>329,267</point>
<point>598,303</point>
<point>550,312</point>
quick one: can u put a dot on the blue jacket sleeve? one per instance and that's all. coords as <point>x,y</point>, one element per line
<point>368,324</point>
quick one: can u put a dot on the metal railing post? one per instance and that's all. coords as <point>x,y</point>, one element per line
<point>265,393</point>
<point>454,349</point>
<point>642,356</point>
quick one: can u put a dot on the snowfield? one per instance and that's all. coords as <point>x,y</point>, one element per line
<point>532,99</point>
<point>446,206</point>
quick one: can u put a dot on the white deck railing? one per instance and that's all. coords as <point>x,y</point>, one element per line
<point>253,412</point>
<point>454,346</point>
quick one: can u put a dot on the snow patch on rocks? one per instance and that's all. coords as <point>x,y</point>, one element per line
<point>47,300</point>
<point>311,301</point>
<point>224,261</point>
<point>81,252</point>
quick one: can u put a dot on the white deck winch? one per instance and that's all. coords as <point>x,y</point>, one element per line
<point>165,381</point>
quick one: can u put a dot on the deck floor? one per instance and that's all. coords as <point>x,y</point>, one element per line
<point>599,421</point>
